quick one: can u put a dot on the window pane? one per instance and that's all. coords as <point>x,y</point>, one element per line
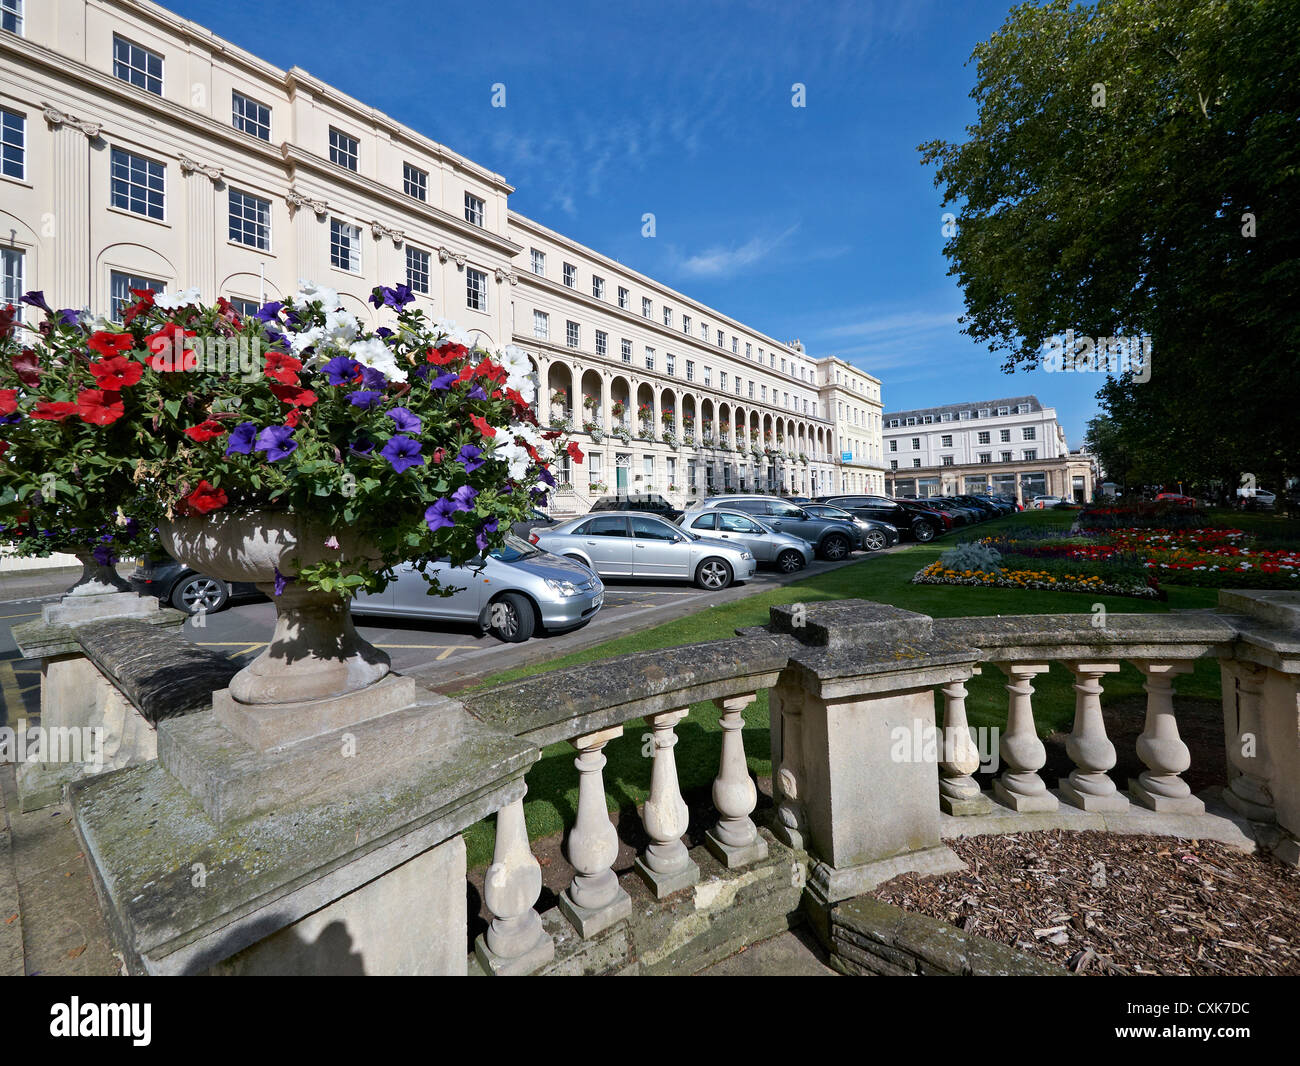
<point>137,65</point>
<point>13,137</point>
<point>250,220</point>
<point>136,184</point>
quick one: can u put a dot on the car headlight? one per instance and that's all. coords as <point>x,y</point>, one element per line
<point>746,555</point>
<point>562,588</point>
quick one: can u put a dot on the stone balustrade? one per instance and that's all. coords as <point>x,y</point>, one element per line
<point>841,679</point>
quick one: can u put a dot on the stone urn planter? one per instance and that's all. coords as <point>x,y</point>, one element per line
<point>315,652</point>
<point>97,579</point>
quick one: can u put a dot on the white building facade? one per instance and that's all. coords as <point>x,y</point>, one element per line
<point>1013,446</point>
<point>142,151</point>
<point>852,399</point>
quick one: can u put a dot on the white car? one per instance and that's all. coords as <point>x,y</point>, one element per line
<point>1040,503</point>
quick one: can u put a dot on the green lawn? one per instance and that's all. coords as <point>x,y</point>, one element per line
<point>552,783</point>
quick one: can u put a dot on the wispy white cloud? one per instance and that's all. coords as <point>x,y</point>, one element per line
<point>721,262</point>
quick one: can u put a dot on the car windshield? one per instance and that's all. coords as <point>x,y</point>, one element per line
<point>514,549</point>
<point>825,510</point>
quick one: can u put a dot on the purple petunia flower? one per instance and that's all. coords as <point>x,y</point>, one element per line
<point>397,297</point>
<point>35,298</point>
<point>385,332</point>
<point>132,527</point>
<point>477,393</point>
<point>363,445</point>
<point>545,476</point>
<point>373,379</point>
<point>402,453</point>
<point>277,442</point>
<point>444,381</point>
<point>480,538</point>
<point>269,312</point>
<point>280,581</point>
<point>365,398</point>
<point>241,438</point>
<point>68,316</point>
<point>470,457</point>
<point>463,497</point>
<point>405,420</point>
<point>438,515</point>
<point>341,369</point>
<point>103,554</point>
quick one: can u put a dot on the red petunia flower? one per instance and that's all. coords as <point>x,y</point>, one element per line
<point>292,394</point>
<point>27,368</point>
<point>205,430</point>
<point>228,312</point>
<point>106,343</point>
<point>481,425</point>
<point>206,498</point>
<point>291,419</point>
<point>8,316</point>
<point>54,410</point>
<point>446,353</point>
<point>575,453</point>
<point>8,401</point>
<point>167,348</point>
<point>283,368</point>
<point>144,301</point>
<point>98,407</point>
<point>4,447</point>
<point>116,372</point>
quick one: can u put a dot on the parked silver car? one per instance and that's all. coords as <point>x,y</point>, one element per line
<point>510,593</point>
<point>833,538</point>
<point>635,544</point>
<point>788,552</point>
<point>875,534</point>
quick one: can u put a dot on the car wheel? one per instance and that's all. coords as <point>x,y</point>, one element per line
<point>200,593</point>
<point>789,561</point>
<point>923,531</point>
<point>874,540</point>
<point>511,618</point>
<point>836,547</point>
<point>713,574</point>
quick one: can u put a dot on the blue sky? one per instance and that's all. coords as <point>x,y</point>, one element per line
<point>816,222</point>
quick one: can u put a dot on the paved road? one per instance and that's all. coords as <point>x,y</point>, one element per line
<point>443,655</point>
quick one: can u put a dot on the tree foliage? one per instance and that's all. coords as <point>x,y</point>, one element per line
<point>1135,169</point>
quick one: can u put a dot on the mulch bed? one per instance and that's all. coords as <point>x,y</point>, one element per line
<point>1102,903</point>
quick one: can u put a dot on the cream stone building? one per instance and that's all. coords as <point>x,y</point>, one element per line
<point>140,150</point>
<point>1013,446</point>
<point>853,401</point>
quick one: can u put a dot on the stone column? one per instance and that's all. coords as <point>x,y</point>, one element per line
<point>785,715</point>
<point>69,204</point>
<point>594,900</point>
<point>1160,747</point>
<point>666,866</point>
<point>1248,792</point>
<point>1088,786</point>
<point>515,942</point>
<point>1020,787</point>
<point>200,206</point>
<point>959,794</point>
<point>734,841</point>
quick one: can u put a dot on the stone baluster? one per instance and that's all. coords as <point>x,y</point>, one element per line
<point>959,794</point>
<point>593,901</point>
<point>1160,748</point>
<point>1089,787</point>
<point>1248,792</point>
<point>666,866</point>
<point>786,712</point>
<point>515,943</point>
<point>734,841</point>
<point>1020,787</point>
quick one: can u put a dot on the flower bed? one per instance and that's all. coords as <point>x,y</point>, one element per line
<point>1018,577</point>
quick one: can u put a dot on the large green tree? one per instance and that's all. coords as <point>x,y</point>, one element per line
<point>1135,169</point>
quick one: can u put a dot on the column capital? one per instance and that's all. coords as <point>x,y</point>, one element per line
<point>190,166</point>
<point>296,199</point>
<point>56,118</point>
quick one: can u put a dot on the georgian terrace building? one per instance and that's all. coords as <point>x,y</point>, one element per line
<point>852,399</point>
<point>140,150</point>
<point>1014,446</point>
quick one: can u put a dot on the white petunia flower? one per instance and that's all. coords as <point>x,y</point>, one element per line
<point>454,333</point>
<point>374,353</point>
<point>309,291</point>
<point>341,327</point>
<point>174,301</point>
<point>515,456</point>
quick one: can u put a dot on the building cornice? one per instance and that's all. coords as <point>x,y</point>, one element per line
<point>300,161</point>
<point>195,34</point>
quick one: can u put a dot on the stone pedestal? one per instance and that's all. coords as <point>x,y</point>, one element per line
<point>868,742</point>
